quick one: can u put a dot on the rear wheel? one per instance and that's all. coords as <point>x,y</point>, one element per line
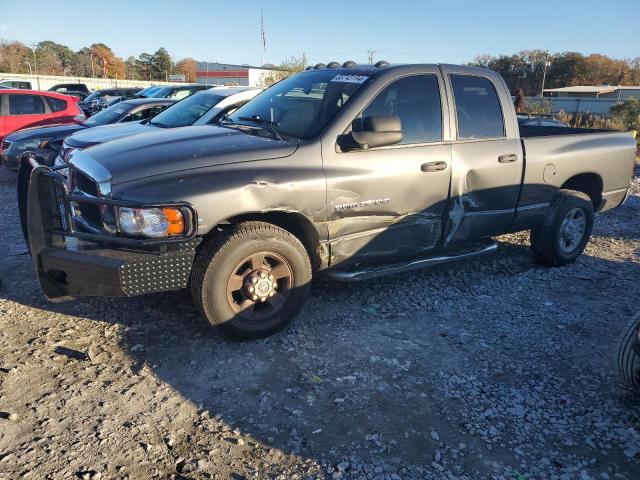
<point>565,230</point>
<point>253,280</point>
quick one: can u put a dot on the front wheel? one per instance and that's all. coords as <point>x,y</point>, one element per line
<point>252,280</point>
<point>563,234</point>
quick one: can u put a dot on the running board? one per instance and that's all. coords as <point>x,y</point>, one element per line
<point>379,271</point>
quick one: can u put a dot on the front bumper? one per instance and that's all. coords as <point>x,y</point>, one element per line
<point>8,160</point>
<point>71,263</point>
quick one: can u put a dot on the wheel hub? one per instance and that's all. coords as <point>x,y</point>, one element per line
<point>572,230</point>
<point>259,285</point>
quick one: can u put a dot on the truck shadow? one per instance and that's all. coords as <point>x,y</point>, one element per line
<point>356,373</point>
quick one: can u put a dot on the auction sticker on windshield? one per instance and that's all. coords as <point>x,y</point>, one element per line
<point>350,78</point>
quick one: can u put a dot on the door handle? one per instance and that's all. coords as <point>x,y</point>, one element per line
<point>508,158</point>
<point>433,166</point>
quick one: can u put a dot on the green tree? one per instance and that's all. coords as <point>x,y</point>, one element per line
<point>161,64</point>
<point>143,65</point>
<point>55,59</point>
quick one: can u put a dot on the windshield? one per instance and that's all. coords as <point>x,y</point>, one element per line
<point>106,116</point>
<point>187,111</point>
<point>147,91</point>
<point>94,95</point>
<point>301,105</point>
<point>161,92</point>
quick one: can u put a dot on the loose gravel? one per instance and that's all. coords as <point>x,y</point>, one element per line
<point>493,368</point>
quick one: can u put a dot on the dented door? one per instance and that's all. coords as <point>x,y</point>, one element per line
<point>390,201</point>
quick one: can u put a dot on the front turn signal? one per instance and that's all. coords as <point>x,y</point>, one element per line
<point>175,221</point>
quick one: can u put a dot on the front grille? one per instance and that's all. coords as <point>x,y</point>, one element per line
<point>6,144</point>
<point>90,213</point>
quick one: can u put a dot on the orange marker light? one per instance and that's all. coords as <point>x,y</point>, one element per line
<point>176,221</point>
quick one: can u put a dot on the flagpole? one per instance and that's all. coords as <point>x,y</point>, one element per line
<point>261,37</point>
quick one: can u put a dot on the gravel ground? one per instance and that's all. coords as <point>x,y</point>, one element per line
<point>494,368</point>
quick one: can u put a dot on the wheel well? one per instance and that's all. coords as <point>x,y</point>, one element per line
<point>589,183</point>
<point>295,223</point>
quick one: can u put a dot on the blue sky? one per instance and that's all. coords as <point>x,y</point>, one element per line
<point>402,31</point>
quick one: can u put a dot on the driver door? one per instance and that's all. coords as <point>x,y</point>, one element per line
<point>388,202</point>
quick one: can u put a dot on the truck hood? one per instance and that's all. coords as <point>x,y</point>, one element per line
<point>178,149</point>
<point>54,131</point>
<point>106,133</point>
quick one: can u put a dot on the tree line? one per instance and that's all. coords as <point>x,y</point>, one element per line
<point>97,60</point>
<point>524,70</point>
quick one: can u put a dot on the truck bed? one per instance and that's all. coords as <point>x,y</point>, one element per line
<point>529,131</point>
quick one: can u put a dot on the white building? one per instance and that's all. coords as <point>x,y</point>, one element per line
<point>600,91</point>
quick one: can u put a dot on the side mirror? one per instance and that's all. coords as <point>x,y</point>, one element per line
<point>371,132</point>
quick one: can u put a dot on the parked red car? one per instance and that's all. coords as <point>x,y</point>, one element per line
<point>30,108</point>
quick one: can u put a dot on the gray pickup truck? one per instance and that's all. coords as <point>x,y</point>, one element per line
<point>357,171</point>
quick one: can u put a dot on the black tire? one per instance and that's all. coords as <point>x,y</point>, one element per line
<point>629,356</point>
<point>547,236</point>
<point>216,262</point>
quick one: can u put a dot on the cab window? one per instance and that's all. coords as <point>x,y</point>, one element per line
<point>416,101</point>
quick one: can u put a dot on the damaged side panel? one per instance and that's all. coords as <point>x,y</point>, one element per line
<point>294,185</point>
<point>484,190</point>
<point>381,204</point>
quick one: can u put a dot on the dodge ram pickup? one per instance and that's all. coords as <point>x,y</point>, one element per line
<point>357,171</point>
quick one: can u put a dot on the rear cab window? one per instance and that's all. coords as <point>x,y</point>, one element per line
<point>478,109</point>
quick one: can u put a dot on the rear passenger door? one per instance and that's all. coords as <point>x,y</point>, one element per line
<point>486,156</point>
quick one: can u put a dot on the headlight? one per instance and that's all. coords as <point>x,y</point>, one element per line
<point>66,153</point>
<point>34,144</point>
<point>151,222</point>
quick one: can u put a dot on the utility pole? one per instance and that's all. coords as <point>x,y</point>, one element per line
<point>93,73</point>
<point>35,65</point>
<point>371,53</point>
<point>547,64</point>
<point>263,38</point>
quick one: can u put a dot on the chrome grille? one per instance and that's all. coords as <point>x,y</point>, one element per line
<point>89,211</point>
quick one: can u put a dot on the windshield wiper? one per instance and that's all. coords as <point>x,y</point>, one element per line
<point>158,124</point>
<point>267,124</point>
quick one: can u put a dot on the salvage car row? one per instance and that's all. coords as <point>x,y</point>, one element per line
<point>354,171</point>
<point>21,107</point>
<point>125,118</point>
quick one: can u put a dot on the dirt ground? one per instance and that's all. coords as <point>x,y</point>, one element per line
<point>495,368</point>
